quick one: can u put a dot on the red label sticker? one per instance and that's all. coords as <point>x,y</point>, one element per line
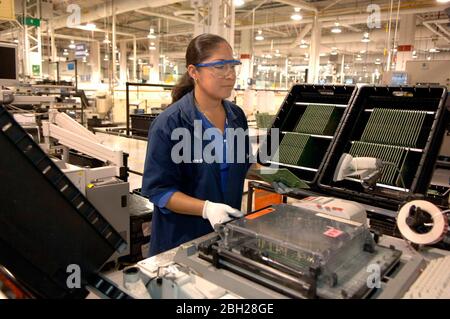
<point>333,232</point>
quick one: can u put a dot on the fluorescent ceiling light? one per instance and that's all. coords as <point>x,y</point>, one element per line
<point>151,34</point>
<point>106,40</point>
<point>365,37</point>
<point>296,16</point>
<point>239,3</point>
<point>259,36</point>
<point>89,27</point>
<point>336,28</point>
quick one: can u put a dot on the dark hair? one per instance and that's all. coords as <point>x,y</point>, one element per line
<point>198,50</point>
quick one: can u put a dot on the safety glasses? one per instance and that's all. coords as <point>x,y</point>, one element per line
<point>222,68</point>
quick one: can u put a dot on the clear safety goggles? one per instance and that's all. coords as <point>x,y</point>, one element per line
<point>221,69</point>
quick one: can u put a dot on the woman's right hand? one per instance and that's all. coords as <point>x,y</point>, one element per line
<point>218,213</point>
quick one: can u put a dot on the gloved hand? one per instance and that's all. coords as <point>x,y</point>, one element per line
<point>218,213</point>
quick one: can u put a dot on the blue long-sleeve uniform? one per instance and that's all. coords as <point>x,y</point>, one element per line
<point>216,182</point>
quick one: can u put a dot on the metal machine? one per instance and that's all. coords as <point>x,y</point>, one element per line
<point>101,185</point>
<point>294,251</point>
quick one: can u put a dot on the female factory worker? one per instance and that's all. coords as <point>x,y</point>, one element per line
<point>193,195</point>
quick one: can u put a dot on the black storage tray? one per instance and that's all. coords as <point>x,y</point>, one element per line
<point>140,123</point>
<point>46,224</point>
<point>405,123</point>
<point>310,113</point>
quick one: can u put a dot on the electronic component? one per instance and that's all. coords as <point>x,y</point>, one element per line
<point>309,254</point>
<point>9,67</point>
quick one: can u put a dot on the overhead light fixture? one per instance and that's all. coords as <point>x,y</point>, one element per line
<point>429,58</point>
<point>365,38</point>
<point>16,41</point>
<point>238,3</point>
<point>377,61</point>
<point>434,50</point>
<point>322,54</point>
<point>131,58</point>
<point>84,60</point>
<point>259,36</point>
<point>106,58</point>
<point>414,54</point>
<point>334,52</point>
<point>277,53</point>
<point>89,27</point>
<point>151,34</point>
<point>443,1</point>
<point>362,51</point>
<point>303,44</point>
<point>106,40</point>
<point>65,53</point>
<point>347,67</point>
<point>336,28</point>
<point>358,58</point>
<point>152,48</point>
<point>296,16</point>
<point>72,45</point>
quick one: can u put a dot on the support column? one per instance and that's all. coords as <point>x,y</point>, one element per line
<point>153,61</point>
<point>54,52</point>
<point>405,41</point>
<point>32,39</point>
<point>199,26</point>
<point>246,58</point>
<point>123,62</point>
<point>221,19</point>
<point>314,51</point>
<point>114,45</point>
<point>134,59</point>
<point>94,58</point>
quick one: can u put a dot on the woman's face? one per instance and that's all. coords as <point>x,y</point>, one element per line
<point>217,82</point>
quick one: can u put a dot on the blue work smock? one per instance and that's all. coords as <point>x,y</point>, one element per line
<point>194,177</point>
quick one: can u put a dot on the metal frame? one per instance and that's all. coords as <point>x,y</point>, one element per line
<point>127,103</point>
<point>32,36</point>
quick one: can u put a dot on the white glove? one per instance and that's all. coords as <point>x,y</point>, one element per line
<point>218,213</point>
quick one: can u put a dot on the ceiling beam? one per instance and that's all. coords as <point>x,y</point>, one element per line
<point>165,16</point>
<point>300,4</point>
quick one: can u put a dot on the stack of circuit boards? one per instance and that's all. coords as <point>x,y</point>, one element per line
<point>314,123</point>
<point>264,120</point>
<point>390,135</point>
<point>308,121</point>
<point>401,126</point>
